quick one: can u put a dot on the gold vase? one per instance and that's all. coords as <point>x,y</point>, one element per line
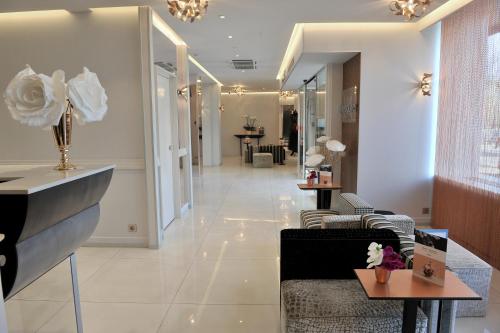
<point>382,275</point>
<point>62,136</point>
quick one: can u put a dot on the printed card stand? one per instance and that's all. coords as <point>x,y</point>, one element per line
<point>429,260</point>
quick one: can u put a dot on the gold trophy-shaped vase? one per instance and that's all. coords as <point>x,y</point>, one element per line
<point>62,136</point>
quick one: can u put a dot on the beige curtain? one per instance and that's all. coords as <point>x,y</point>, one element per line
<point>467,181</point>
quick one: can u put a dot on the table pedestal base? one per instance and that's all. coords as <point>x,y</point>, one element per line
<point>323,199</point>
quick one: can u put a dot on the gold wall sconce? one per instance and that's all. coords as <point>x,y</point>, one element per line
<point>426,84</point>
<point>183,92</point>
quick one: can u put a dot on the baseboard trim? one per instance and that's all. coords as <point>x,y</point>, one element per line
<point>117,241</point>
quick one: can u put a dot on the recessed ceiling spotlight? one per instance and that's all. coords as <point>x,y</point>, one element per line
<point>237,56</point>
<point>222,17</point>
<point>243,71</point>
<point>229,36</point>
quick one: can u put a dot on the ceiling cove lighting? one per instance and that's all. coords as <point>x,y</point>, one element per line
<point>441,12</point>
<point>187,10</point>
<point>165,29</point>
<point>409,8</point>
<point>297,33</point>
<point>204,70</point>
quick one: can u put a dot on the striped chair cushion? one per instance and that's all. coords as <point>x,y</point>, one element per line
<point>407,244</point>
<point>311,219</point>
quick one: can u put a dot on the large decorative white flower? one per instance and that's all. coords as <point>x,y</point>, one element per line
<point>312,150</point>
<point>375,255</point>
<point>323,139</point>
<point>314,160</point>
<point>36,99</point>
<point>88,97</point>
<point>335,146</point>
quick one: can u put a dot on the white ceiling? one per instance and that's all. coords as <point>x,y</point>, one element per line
<point>260,29</point>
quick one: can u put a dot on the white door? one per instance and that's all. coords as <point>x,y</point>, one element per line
<point>165,147</point>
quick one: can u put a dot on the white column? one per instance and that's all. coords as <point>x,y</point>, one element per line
<point>184,125</point>
<point>211,125</point>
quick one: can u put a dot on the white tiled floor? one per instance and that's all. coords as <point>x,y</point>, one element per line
<point>218,271</point>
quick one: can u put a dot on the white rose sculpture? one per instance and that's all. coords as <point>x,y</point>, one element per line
<point>87,97</point>
<point>39,100</point>
<point>313,161</point>
<point>36,99</point>
<point>335,146</point>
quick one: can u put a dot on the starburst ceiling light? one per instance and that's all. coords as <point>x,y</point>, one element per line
<point>285,93</point>
<point>238,90</point>
<point>409,8</point>
<point>187,10</point>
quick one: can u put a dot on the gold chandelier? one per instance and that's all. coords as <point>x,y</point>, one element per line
<point>238,90</point>
<point>187,10</point>
<point>409,8</point>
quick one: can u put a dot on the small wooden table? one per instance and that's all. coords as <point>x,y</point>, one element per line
<point>404,286</point>
<point>323,193</point>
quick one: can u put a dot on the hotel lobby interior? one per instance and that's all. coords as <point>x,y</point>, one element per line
<point>213,166</point>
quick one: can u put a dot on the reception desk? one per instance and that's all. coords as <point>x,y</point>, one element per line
<point>45,216</point>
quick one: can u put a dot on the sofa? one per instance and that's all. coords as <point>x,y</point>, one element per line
<point>319,290</point>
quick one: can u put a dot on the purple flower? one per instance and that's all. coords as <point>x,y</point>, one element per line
<point>391,260</point>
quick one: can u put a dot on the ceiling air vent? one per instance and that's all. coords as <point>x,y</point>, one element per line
<point>244,64</point>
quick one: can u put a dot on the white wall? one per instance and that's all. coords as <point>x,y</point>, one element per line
<point>107,42</point>
<point>263,106</point>
<point>395,119</point>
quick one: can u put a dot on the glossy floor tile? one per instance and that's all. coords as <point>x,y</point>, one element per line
<point>221,318</point>
<point>217,272</point>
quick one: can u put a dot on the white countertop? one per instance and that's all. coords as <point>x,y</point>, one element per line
<point>40,178</point>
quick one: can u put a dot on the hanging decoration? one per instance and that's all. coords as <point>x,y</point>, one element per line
<point>409,8</point>
<point>188,10</point>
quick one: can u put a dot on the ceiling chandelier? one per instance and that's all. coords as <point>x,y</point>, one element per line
<point>409,8</point>
<point>285,93</point>
<point>238,90</point>
<point>187,10</point>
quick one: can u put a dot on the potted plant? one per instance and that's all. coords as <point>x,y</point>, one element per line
<point>385,260</point>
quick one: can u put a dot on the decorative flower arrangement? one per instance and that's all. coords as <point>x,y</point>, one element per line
<point>39,100</point>
<point>385,260</point>
<point>250,122</point>
<point>311,176</point>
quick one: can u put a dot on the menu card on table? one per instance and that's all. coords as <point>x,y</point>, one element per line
<point>429,259</point>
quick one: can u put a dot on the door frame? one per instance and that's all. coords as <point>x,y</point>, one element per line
<point>171,77</point>
<point>148,82</point>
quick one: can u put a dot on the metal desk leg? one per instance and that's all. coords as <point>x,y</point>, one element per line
<point>410,316</point>
<point>76,294</point>
<point>241,148</point>
<point>3,313</point>
<point>446,316</point>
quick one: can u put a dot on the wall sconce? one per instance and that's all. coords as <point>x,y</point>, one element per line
<point>183,92</point>
<point>221,108</point>
<point>425,84</point>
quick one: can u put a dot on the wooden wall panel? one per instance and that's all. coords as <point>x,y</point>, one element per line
<point>472,216</point>
<point>350,131</point>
